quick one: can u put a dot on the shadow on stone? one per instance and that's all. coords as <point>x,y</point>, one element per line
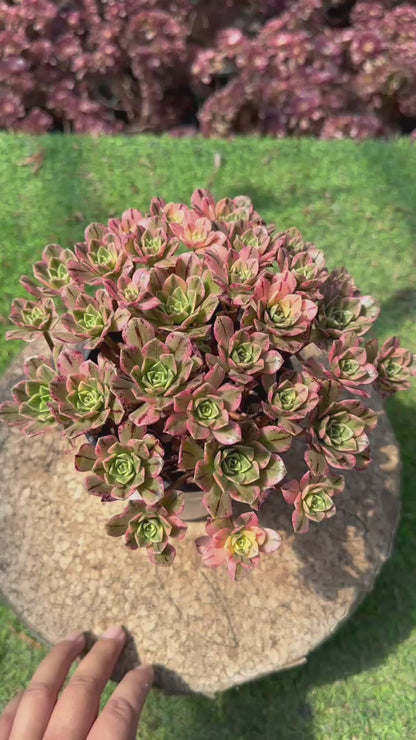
<point>279,701</point>
<point>130,657</point>
<point>170,680</point>
<point>277,706</point>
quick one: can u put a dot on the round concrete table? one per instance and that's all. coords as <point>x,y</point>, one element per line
<point>61,572</point>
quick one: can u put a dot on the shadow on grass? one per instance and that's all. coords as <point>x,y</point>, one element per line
<point>396,170</point>
<point>401,306</point>
<point>262,198</point>
<point>277,706</point>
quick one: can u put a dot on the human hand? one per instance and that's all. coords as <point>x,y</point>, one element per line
<point>38,714</point>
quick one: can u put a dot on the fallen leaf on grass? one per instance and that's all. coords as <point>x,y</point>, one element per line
<point>146,163</point>
<point>35,160</point>
<point>78,217</point>
<point>26,638</point>
<point>217,165</point>
<point>217,160</point>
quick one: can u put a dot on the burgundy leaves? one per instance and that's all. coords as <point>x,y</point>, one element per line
<point>320,68</point>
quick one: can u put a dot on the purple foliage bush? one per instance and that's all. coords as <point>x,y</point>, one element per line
<point>326,68</point>
<point>191,346</point>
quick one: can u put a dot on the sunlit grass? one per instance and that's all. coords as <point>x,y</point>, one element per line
<point>356,201</point>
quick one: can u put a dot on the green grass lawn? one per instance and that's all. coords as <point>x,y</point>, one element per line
<point>357,202</point>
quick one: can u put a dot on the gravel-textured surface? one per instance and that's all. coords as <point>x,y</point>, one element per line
<point>59,570</point>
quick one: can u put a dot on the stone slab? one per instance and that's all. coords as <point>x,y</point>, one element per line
<point>60,571</point>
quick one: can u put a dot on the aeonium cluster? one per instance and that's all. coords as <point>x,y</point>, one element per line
<point>188,347</point>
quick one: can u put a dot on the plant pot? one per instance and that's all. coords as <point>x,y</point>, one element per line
<point>194,510</point>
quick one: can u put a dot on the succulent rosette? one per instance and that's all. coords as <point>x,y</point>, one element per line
<point>293,241</point>
<point>394,365</point>
<point>293,398</point>
<point>154,371</point>
<point>82,393</point>
<point>31,408</point>
<point>338,433</point>
<point>236,273</point>
<point>191,345</point>
<point>349,365</point>
<point>127,224</point>
<point>243,472</point>
<point>261,241</point>
<point>237,543</point>
<point>101,256</point>
<point>243,354</point>
<point>307,266</point>
<point>88,319</point>
<point>226,210</point>
<point>132,292</point>
<point>51,272</point>
<point>172,213</point>
<point>312,498</point>
<point>122,466</point>
<point>150,243</point>
<point>197,233</point>
<point>187,296</point>
<point>206,411</point>
<point>151,527</point>
<point>280,312</point>
<point>341,283</point>
<point>342,310</point>
<point>32,318</point>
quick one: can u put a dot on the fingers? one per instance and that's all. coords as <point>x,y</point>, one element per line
<point>8,715</point>
<point>39,699</point>
<point>121,714</point>
<point>78,706</point>
<point>36,714</point>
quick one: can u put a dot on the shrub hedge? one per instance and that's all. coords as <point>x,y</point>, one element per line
<point>325,68</point>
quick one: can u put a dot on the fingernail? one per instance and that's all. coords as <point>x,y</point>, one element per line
<point>76,637</point>
<point>147,669</point>
<point>114,633</point>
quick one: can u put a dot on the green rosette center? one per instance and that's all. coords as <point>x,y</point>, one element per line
<point>151,244</point>
<point>241,544</point>
<point>177,304</point>
<point>317,502</point>
<point>280,315</point>
<point>339,318</point>
<point>122,469</point>
<point>35,317</point>
<point>58,272</point>
<point>287,398</point>
<point>240,274</point>
<point>88,398</point>
<point>39,402</point>
<point>242,354</point>
<point>131,293</point>
<point>206,410</point>
<point>392,368</point>
<point>91,320</point>
<point>103,256</point>
<point>234,462</point>
<point>158,377</point>
<point>349,367</point>
<point>339,432</point>
<point>150,531</point>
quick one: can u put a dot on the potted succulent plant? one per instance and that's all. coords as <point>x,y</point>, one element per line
<point>185,350</point>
